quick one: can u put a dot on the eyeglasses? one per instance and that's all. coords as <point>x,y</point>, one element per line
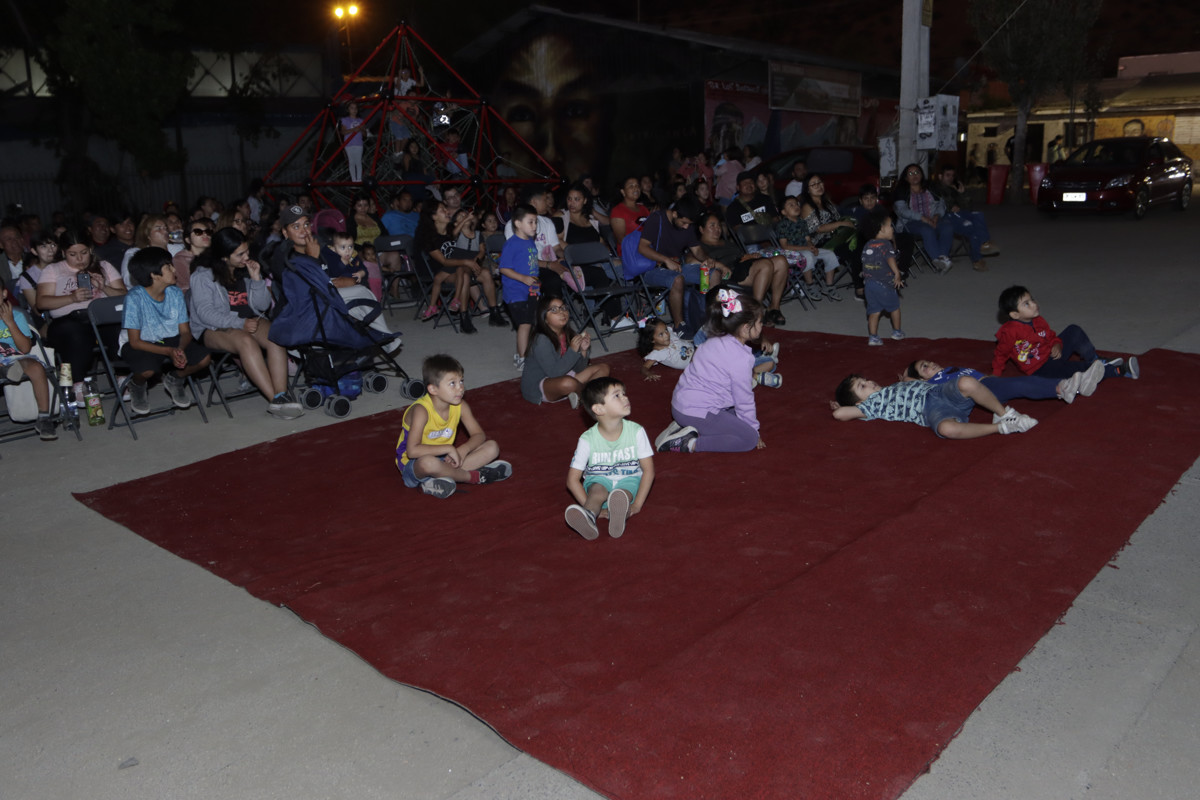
<point>556,309</point>
<point>201,232</point>
<point>913,172</point>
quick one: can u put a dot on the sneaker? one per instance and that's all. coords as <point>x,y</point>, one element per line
<point>1114,362</point>
<point>1131,368</point>
<point>668,432</point>
<point>682,442</point>
<point>1009,413</point>
<point>284,406</point>
<point>582,522</point>
<point>874,341</point>
<point>812,292</point>
<point>518,362</point>
<point>496,319</point>
<point>897,334</point>
<point>1090,378</point>
<point>573,399</point>
<point>1020,424</point>
<point>618,512</point>
<point>438,487</point>
<point>465,324</point>
<point>979,266</point>
<point>177,390</point>
<point>495,472</point>
<point>1068,388</point>
<point>773,352</point>
<point>771,379</point>
<point>623,323</point>
<point>45,429</point>
<point>945,263</point>
<point>832,293</point>
<point>139,397</point>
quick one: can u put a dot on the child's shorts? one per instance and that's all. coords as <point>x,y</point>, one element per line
<point>629,484</point>
<point>881,297</point>
<point>141,361</point>
<point>522,312</point>
<point>409,473</point>
<point>542,389</point>
<point>947,402</point>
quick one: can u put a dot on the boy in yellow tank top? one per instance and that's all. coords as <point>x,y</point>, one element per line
<point>425,453</point>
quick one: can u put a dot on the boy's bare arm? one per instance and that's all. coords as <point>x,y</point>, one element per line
<point>845,413</point>
<point>643,487</point>
<point>575,485</point>
<point>474,431</point>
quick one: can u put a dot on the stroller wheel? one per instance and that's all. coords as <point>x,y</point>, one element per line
<point>337,406</point>
<point>375,383</point>
<point>413,388</point>
<point>311,398</point>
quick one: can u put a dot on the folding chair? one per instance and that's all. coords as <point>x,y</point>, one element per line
<point>586,306</point>
<point>108,311</point>
<point>20,407</point>
<point>751,234</point>
<point>399,285</point>
<point>423,273</point>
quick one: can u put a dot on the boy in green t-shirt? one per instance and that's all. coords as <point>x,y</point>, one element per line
<point>613,466</point>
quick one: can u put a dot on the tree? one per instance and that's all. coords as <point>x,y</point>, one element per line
<point>1031,46</point>
<point>119,58</point>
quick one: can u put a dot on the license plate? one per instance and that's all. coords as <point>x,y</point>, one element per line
<point>1074,197</point>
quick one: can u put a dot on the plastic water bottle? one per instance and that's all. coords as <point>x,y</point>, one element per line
<point>95,408</point>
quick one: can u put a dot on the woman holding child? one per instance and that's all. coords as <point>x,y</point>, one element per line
<point>227,311</point>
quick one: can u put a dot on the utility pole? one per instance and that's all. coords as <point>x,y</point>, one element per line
<point>914,75</point>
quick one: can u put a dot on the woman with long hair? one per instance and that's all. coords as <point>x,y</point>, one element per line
<point>227,311</point>
<point>922,213</point>
<point>829,230</point>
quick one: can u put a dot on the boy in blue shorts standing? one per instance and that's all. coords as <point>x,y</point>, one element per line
<point>881,275</point>
<point>425,453</point>
<point>613,464</point>
<point>945,408</point>
<point>519,286</point>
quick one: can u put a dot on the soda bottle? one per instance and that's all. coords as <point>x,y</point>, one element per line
<point>703,279</point>
<point>95,408</point>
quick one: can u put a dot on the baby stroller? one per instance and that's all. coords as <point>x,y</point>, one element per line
<point>341,356</point>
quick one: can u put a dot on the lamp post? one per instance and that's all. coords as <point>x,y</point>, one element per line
<point>345,14</point>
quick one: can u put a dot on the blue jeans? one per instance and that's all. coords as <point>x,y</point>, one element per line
<point>1074,343</point>
<point>972,225</point>
<point>662,278</point>
<point>1030,387</point>
<point>937,241</point>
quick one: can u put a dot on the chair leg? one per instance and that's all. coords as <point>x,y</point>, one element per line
<point>191,381</point>
<point>216,386</point>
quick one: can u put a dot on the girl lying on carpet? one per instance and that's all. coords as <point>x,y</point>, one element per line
<point>713,404</point>
<point>557,366</point>
<point>945,408</point>
<point>1031,387</point>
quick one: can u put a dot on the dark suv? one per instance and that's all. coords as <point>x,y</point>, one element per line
<point>1129,174</point>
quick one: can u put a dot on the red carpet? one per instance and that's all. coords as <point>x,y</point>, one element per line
<point>813,620</point>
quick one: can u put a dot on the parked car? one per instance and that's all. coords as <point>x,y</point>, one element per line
<point>1128,174</point>
<point>844,168</point>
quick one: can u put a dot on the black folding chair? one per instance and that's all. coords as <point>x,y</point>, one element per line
<point>20,428</point>
<point>108,311</point>
<point>751,234</point>
<point>400,287</point>
<point>587,306</point>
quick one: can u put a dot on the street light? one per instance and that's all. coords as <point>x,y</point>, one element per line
<point>347,13</point>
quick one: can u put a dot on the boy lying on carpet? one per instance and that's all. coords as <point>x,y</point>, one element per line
<point>946,408</point>
<point>1035,348</point>
<point>613,465</point>
<point>1031,387</point>
<point>425,453</point>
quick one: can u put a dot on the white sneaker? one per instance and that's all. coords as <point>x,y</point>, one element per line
<point>670,431</point>
<point>1069,387</point>
<point>1009,413</point>
<point>945,263</point>
<point>1020,424</point>
<point>518,362</point>
<point>1090,378</point>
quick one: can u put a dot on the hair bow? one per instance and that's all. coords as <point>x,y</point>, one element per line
<point>641,323</point>
<point>730,302</point>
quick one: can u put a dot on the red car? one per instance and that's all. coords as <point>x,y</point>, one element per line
<point>844,168</point>
<point>1129,174</point>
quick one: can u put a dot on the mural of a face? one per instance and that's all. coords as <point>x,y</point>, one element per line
<point>547,93</point>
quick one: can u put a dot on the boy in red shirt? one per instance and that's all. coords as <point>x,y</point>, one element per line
<point>1037,350</point>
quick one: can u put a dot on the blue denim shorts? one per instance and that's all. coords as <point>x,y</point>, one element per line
<point>880,297</point>
<point>947,402</point>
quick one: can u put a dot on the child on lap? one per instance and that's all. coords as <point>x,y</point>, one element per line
<point>425,453</point>
<point>613,466</point>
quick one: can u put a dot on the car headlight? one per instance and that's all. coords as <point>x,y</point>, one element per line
<point>1119,181</point>
<point>1047,183</point>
